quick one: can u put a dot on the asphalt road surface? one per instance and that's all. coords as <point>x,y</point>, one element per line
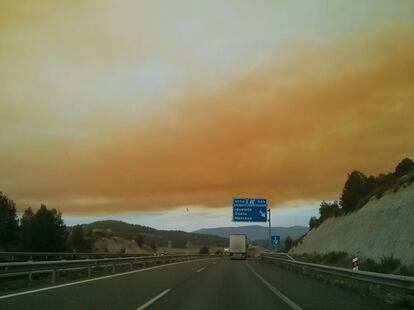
<point>202,284</point>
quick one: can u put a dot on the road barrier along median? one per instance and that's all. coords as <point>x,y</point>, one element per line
<point>394,289</point>
<point>17,269</point>
<point>398,281</point>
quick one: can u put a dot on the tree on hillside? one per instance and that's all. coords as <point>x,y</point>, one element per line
<point>371,183</point>
<point>139,240</point>
<point>153,246</point>
<point>288,243</point>
<point>26,229</point>
<point>204,250</point>
<point>356,188</point>
<point>8,223</point>
<point>313,222</point>
<point>43,231</point>
<point>329,209</point>
<point>404,167</point>
<point>78,241</point>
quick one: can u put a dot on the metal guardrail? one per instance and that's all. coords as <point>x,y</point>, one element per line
<point>30,256</point>
<point>15,269</point>
<point>280,255</point>
<point>392,280</point>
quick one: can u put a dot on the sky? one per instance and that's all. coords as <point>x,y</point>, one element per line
<point>138,110</point>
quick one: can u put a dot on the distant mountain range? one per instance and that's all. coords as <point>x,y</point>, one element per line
<point>159,237</point>
<point>207,236</point>
<point>255,232</point>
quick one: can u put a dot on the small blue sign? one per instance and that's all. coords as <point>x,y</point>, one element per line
<point>249,210</point>
<point>275,240</point>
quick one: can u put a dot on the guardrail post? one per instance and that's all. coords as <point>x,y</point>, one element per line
<point>113,268</point>
<point>53,275</point>
<point>30,277</point>
<point>89,271</point>
<point>130,266</point>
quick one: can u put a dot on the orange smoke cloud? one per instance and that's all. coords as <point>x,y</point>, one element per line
<point>285,132</point>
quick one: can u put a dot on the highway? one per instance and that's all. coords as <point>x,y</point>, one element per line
<point>201,284</point>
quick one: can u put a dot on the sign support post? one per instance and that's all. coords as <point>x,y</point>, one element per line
<point>270,231</point>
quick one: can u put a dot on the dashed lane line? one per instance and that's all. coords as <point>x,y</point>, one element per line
<point>151,301</point>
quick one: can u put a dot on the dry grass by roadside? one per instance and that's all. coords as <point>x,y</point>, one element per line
<point>387,264</point>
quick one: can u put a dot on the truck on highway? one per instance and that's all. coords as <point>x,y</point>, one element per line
<point>238,246</point>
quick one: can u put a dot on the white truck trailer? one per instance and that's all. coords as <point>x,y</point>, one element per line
<point>238,246</point>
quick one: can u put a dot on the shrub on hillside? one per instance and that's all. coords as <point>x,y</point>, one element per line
<point>312,258</point>
<point>406,271</point>
<point>79,241</point>
<point>404,167</point>
<point>218,252</point>
<point>388,264</point>
<point>204,250</point>
<point>9,223</point>
<point>313,222</point>
<point>43,231</point>
<point>288,243</point>
<point>329,209</point>
<point>326,210</point>
<point>335,257</point>
<point>139,240</point>
<point>356,187</point>
<point>298,240</point>
<point>359,189</point>
<point>153,246</point>
<point>369,265</point>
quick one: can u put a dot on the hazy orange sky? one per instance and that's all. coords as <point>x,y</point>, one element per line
<point>109,107</point>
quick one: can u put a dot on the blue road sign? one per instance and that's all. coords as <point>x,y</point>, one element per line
<point>275,240</point>
<point>249,210</point>
<point>249,202</point>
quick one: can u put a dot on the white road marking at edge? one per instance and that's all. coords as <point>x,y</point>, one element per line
<point>290,256</point>
<point>96,279</point>
<point>274,290</point>
<point>150,302</point>
<point>201,269</point>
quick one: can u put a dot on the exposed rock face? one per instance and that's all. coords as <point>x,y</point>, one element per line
<point>116,245</point>
<point>383,227</point>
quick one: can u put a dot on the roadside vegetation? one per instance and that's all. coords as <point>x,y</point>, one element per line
<point>359,189</point>
<point>42,230</point>
<point>45,231</point>
<point>342,259</point>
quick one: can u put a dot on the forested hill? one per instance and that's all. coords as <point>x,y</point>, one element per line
<point>256,232</point>
<point>159,237</point>
<point>120,227</point>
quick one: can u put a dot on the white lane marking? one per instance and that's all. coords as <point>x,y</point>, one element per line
<point>201,269</point>
<point>150,302</point>
<point>275,290</point>
<point>96,279</point>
